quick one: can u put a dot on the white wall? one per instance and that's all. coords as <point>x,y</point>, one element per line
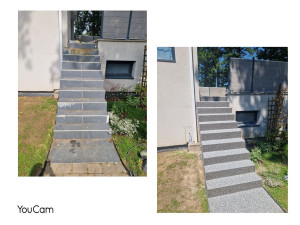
<point>125,51</point>
<point>38,51</point>
<point>175,106</point>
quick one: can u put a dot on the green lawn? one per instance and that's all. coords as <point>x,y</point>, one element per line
<point>36,119</point>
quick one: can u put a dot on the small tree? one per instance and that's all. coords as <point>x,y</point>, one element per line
<point>88,22</point>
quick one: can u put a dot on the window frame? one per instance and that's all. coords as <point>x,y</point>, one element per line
<point>119,76</point>
<point>166,60</point>
<point>245,124</point>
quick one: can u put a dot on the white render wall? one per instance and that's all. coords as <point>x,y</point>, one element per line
<point>123,50</point>
<point>38,51</point>
<point>175,106</point>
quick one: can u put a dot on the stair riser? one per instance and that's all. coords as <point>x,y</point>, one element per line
<point>75,83</point>
<point>82,58</point>
<point>206,98</point>
<point>212,104</point>
<point>218,126</point>
<point>80,66</point>
<point>232,189</point>
<point>229,172</point>
<point>81,94</point>
<point>81,119</point>
<point>216,136</point>
<point>224,159</point>
<point>79,51</point>
<point>223,146</point>
<point>81,74</point>
<point>81,106</point>
<point>82,46</point>
<point>212,117</point>
<point>214,110</point>
<point>80,134</point>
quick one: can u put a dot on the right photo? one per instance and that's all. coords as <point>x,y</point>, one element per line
<point>222,129</point>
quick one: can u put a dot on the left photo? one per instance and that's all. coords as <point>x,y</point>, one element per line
<point>82,93</point>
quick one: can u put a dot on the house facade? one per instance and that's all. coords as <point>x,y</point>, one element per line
<point>43,36</point>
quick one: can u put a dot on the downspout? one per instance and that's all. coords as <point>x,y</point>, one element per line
<point>193,93</point>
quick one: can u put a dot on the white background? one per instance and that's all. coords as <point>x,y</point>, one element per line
<point>108,200</point>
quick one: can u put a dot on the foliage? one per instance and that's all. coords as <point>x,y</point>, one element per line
<point>264,146</point>
<point>88,22</point>
<point>255,154</point>
<point>134,101</point>
<point>272,53</point>
<point>119,107</point>
<point>122,126</point>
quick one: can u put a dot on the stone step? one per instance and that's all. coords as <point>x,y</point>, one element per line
<point>81,58</point>
<point>255,200</point>
<point>82,45</point>
<point>232,184</point>
<point>87,100</point>
<point>222,144</point>
<point>213,104</point>
<point>207,98</point>
<point>218,125</point>
<point>230,155</point>
<point>93,74</point>
<point>81,93</point>
<point>81,51</point>
<point>81,105</point>
<point>216,117</point>
<point>78,119</point>
<point>214,110</point>
<point>81,112</point>
<point>82,127</point>
<point>220,134</point>
<point>81,83</point>
<point>81,65</point>
<point>228,169</point>
<point>81,79</point>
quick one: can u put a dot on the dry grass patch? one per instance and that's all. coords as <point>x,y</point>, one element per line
<point>180,184</point>
<point>36,119</point>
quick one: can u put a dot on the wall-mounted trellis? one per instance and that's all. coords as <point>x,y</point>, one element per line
<point>144,73</point>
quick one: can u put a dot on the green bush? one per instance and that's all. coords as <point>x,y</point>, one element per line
<point>255,154</point>
<point>119,107</point>
<point>264,146</point>
<point>285,150</point>
<point>133,101</point>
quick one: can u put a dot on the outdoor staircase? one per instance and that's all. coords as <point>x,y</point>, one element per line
<point>231,182</point>
<point>82,132</point>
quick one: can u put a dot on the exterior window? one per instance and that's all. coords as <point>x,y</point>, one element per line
<point>119,70</point>
<point>246,118</point>
<point>166,54</point>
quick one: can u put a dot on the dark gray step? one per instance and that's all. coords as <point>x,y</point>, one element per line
<point>207,98</point>
<point>228,169</point>
<point>232,184</point>
<point>78,51</point>
<point>97,74</point>
<point>82,127</point>
<point>72,134</point>
<point>213,110</point>
<point>256,200</point>
<point>216,117</point>
<point>220,134</point>
<point>230,155</point>
<point>86,100</point>
<point>213,104</point>
<point>81,112</point>
<point>222,144</point>
<point>80,93</point>
<point>81,105</point>
<point>82,45</point>
<point>218,125</point>
<point>81,58</point>
<point>83,84</point>
<point>78,119</point>
<point>81,65</point>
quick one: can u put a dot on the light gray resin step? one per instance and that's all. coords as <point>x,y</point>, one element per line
<point>216,117</point>
<point>81,58</point>
<point>225,156</point>
<point>222,144</point>
<point>218,125</point>
<point>213,104</point>
<point>93,74</point>
<point>232,184</point>
<point>255,200</point>
<point>207,98</point>
<point>213,110</point>
<point>81,65</point>
<point>220,134</point>
<point>228,169</point>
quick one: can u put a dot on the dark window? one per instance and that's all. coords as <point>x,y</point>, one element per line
<point>119,69</point>
<point>246,118</point>
<point>166,54</point>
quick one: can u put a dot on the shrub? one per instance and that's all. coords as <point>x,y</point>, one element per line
<point>119,107</point>
<point>133,101</point>
<point>122,126</point>
<point>255,154</point>
<point>265,147</point>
